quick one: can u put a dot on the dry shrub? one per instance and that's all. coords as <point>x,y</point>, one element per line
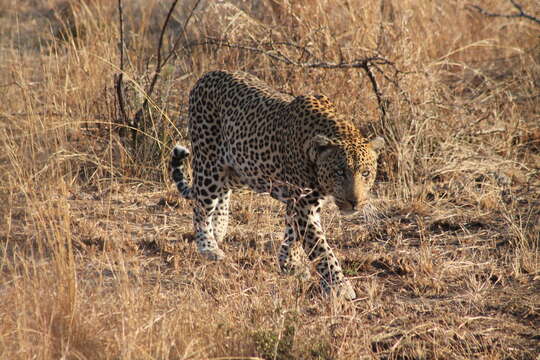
<point>96,257</point>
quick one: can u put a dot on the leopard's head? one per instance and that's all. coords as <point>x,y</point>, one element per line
<point>345,169</point>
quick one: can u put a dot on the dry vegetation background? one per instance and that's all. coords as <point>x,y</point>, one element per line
<point>96,258</point>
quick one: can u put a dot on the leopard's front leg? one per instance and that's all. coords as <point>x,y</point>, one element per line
<point>308,227</point>
<point>290,253</point>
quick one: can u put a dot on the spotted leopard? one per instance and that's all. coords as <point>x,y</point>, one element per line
<point>297,149</point>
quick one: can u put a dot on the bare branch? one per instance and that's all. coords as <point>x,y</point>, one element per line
<point>363,63</point>
<point>489,131</point>
<point>520,14</point>
<point>121,31</point>
<point>357,63</point>
<point>175,46</point>
<point>161,62</point>
<point>380,102</point>
<point>159,65</point>
<point>120,77</point>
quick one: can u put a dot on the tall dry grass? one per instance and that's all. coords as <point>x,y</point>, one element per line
<point>96,258</point>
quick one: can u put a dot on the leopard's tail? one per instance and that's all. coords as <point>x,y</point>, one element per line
<point>179,154</point>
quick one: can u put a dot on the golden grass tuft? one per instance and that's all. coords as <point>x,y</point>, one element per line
<point>96,252</point>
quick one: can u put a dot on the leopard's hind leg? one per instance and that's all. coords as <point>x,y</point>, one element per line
<point>210,208</point>
<point>220,218</point>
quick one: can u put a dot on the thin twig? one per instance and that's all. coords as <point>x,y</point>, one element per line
<point>303,49</point>
<point>380,35</point>
<point>520,14</point>
<point>357,63</point>
<point>175,45</point>
<point>489,131</point>
<point>162,61</point>
<point>371,76</point>
<point>120,77</point>
<point>121,30</point>
<point>159,65</point>
<point>364,63</point>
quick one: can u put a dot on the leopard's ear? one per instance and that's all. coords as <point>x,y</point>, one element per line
<point>318,146</point>
<point>377,144</point>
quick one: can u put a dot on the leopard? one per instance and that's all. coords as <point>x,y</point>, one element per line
<point>297,149</point>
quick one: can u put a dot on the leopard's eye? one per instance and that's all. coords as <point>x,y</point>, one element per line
<point>365,173</point>
<point>340,172</point>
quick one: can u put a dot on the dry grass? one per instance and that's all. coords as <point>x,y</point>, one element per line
<point>96,256</point>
